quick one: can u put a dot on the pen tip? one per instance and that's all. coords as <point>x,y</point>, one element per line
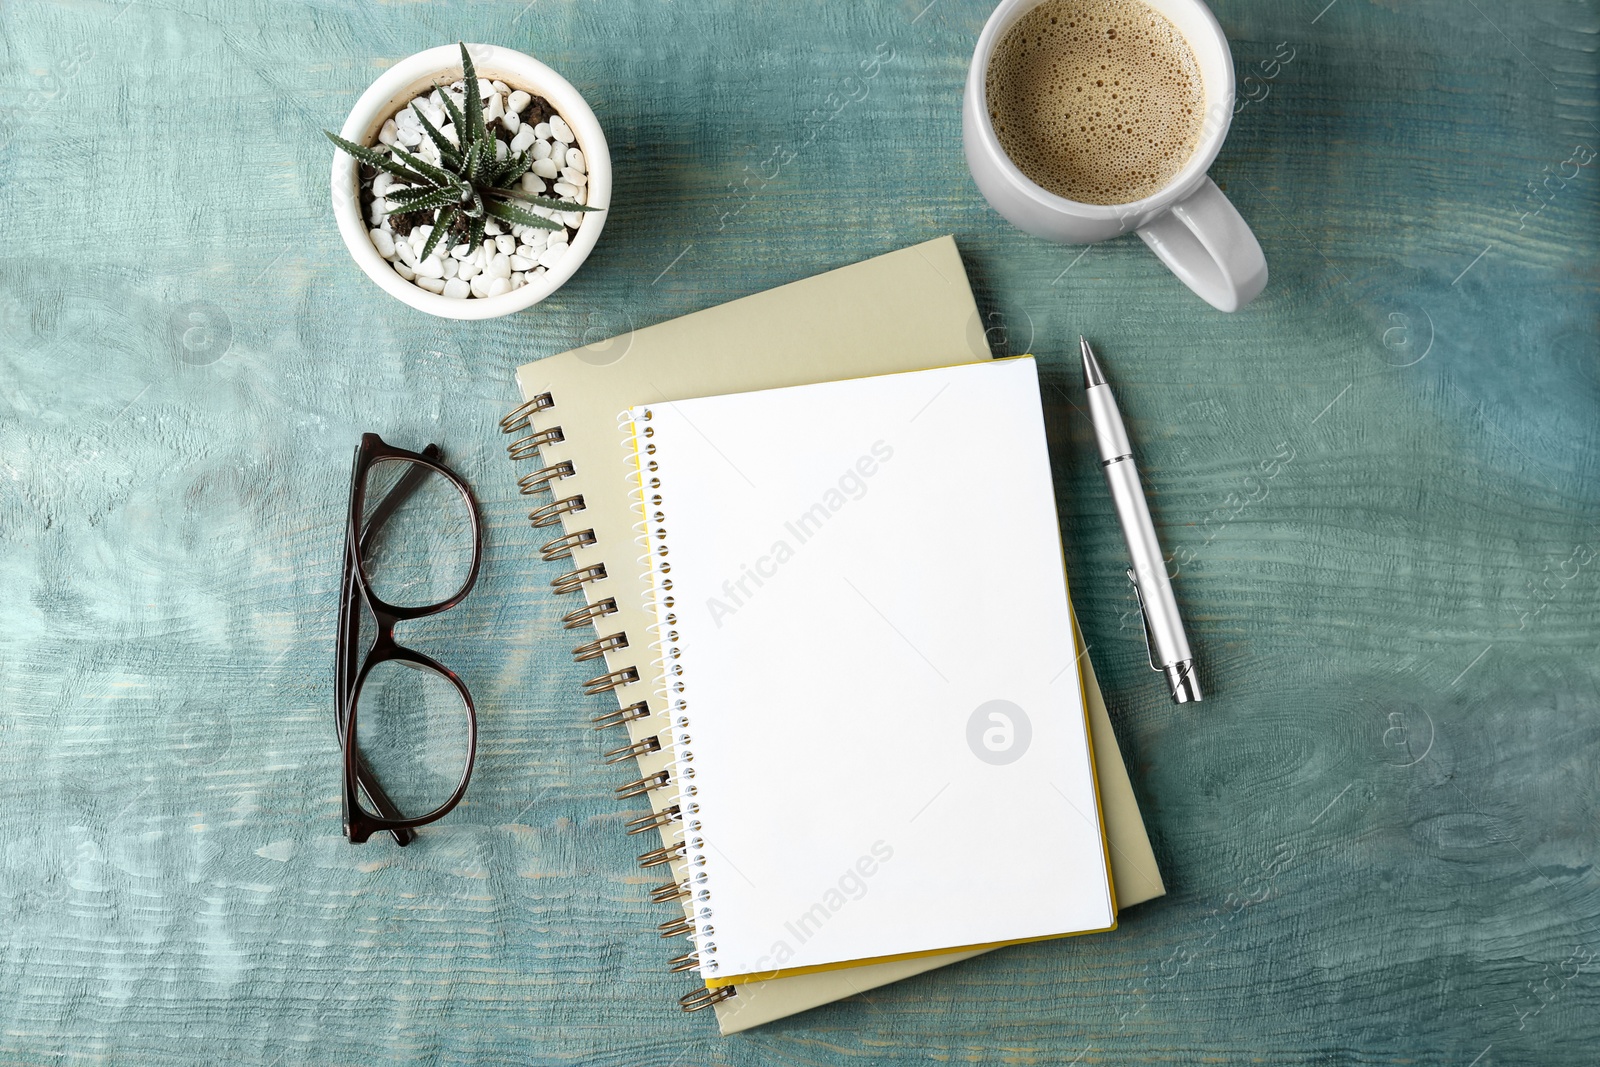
<point>1092,374</point>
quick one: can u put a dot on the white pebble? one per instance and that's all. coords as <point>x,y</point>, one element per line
<point>538,270</point>
<point>541,149</point>
<point>518,279</point>
<point>499,266</point>
<point>505,243</point>
<point>485,88</point>
<point>521,263</point>
<point>542,131</point>
<point>552,255</point>
<point>383,242</point>
<point>480,286</point>
<point>485,253</point>
<point>409,136</point>
<point>511,122</point>
<point>387,134</point>
<point>522,139</point>
<point>494,109</point>
<point>456,289</point>
<point>558,151</point>
<point>450,266</point>
<point>500,149</point>
<point>532,183</point>
<point>405,272</point>
<point>575,158</point>
<point>407,254</point>
<point>559,127</point>
<point>448,132</point>
<point>571,218</point>
<point>430,267</point>
<point>500,286</point>
<point>406,119</point>
<point>563,189</point>
<point>556,237</point>
<point>461,251</point>
<point>518,100</point>
<point>433,285</point>
<point>574,177</point>
<point>500,87</point>
<point>468,268</point>
<point>533,242</point>
<point>544,168</point>
<point>419,236</point>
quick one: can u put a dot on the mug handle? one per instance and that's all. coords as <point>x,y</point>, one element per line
<point>1206,242</point>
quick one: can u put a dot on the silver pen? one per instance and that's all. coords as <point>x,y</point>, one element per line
<point>1165,642</point>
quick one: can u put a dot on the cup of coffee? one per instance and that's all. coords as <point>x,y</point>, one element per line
<point>1084,119</point>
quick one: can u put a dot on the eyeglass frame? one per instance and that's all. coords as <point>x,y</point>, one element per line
<point>359,824</point>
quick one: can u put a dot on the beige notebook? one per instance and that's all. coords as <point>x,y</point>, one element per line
<point>906,310</point>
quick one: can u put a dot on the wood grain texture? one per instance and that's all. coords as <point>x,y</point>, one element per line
<point>1379,483</point>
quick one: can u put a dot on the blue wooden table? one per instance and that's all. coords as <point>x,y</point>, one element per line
<point>1379,483</point>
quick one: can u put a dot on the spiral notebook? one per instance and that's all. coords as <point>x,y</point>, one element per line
<point>926,751</point>
<point>905,310</point>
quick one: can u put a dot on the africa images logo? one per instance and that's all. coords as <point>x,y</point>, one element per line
<point>998,732</point>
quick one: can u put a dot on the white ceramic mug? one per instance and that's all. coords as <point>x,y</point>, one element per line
<point>1189,224</point>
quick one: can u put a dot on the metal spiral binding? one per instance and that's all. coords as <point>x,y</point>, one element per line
<point>611,680</point>
<point>638,748</point>
<point>678,927</point>
<point>655,820</point>
<point>701,999</point>
<point>528,447</point>
<point>666,894</point>
<point>562,547</point>
<point>637,710</point>
<point>572,581</point>
<point>651,534</point>
<point>665,854</point>
<point>599,647</point>
<point>644,785</point>
<point>518,417</point>
<point>542,479</point>
<point>551,514</point>
<point>684,845</point>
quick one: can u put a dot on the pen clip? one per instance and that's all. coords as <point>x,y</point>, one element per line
<point>1144,619</point>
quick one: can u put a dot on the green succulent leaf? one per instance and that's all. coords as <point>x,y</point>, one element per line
<point>441,226</point>
<point>457,119</point>
<point>543,201</point>
<point>518,165</point>
<point>435,176</point>
<point>431,200</point>
<point>447,151</point>
<point>474,167</point>
<point>406,196</point>
<point>376,159</point>
<point>474,101</point>
<point>476,233</point>
<point>512,213</point>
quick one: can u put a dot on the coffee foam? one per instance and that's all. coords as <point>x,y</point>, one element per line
<point>1099,101</point>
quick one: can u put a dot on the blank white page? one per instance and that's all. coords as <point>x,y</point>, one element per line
<point>880,736</point>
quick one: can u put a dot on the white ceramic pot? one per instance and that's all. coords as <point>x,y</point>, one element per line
<point>441,66</point>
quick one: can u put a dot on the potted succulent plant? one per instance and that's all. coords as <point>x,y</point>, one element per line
<point>470,184</point>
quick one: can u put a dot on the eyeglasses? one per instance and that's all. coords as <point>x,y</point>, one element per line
<point>413,545</point>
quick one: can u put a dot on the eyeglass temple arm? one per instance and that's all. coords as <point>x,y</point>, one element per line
<point>398,494</point>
